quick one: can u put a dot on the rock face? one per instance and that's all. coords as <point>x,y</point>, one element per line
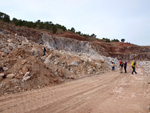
<point>72,45</point>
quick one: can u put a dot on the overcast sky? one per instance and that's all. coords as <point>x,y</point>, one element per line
<point>114,19</point>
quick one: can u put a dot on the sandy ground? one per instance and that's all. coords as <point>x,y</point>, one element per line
<point>112,92</point>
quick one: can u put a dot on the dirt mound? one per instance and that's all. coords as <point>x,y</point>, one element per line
<point>23,71</point>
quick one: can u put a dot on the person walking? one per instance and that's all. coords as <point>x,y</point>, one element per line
<point>113,66</point>
<point>121,66</point>
<point>125,67</point>
<point>133,65</point>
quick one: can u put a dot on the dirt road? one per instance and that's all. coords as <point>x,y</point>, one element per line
<point>111,92</point>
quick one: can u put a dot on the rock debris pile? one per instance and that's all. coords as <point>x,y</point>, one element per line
<point>23,66</point>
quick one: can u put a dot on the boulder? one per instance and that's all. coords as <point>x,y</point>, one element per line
<point>5,50</point>
<point>5,68</point>
<point>71,77</point>
<point>34,51</point>
<point>1,75</point>
<point>26,76</point>
<point>74,63</point>
<point>43,58</point>
<point>56,62</point>
<point>10,75</point>
<point>23,62</point>
<point>90,71</point>
<point>98,65</point>
<point>25,69</point>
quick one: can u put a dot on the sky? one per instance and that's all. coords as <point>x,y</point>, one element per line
<point>113,19</point>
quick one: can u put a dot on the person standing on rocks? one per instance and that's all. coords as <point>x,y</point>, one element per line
<point>125,67</point>
<point>44,50</point>
<point>133,64</point>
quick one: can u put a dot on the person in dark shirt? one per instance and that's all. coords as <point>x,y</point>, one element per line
<point>125,67</point>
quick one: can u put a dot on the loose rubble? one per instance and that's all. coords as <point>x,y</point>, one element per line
<point>23,66</point>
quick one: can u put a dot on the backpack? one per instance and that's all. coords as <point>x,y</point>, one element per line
<point>122,64</point>
<point>113,65</point>
<point>133,64</point>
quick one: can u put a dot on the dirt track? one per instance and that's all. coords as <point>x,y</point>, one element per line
<point>111,92</point>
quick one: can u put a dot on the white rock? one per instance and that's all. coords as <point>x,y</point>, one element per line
<point>25,78</point>
<point>1,74</point>
<point>99,66</point>
<point>27,74</point>
<point>74,63</point>
<point>56,62</point>
<point>10,75</point>
<point>90,71</point>
<point>5,68</point>
<point>15,80</point>
<point>5,50</point>
<point>43,58</point>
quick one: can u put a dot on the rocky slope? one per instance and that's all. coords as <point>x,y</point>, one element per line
<point>23,66</point>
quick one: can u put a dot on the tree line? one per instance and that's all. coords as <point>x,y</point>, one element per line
<point>113,40</point>
<point>48,25</point>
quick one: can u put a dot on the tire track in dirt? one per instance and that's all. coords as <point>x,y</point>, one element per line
<point>110,92</point>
